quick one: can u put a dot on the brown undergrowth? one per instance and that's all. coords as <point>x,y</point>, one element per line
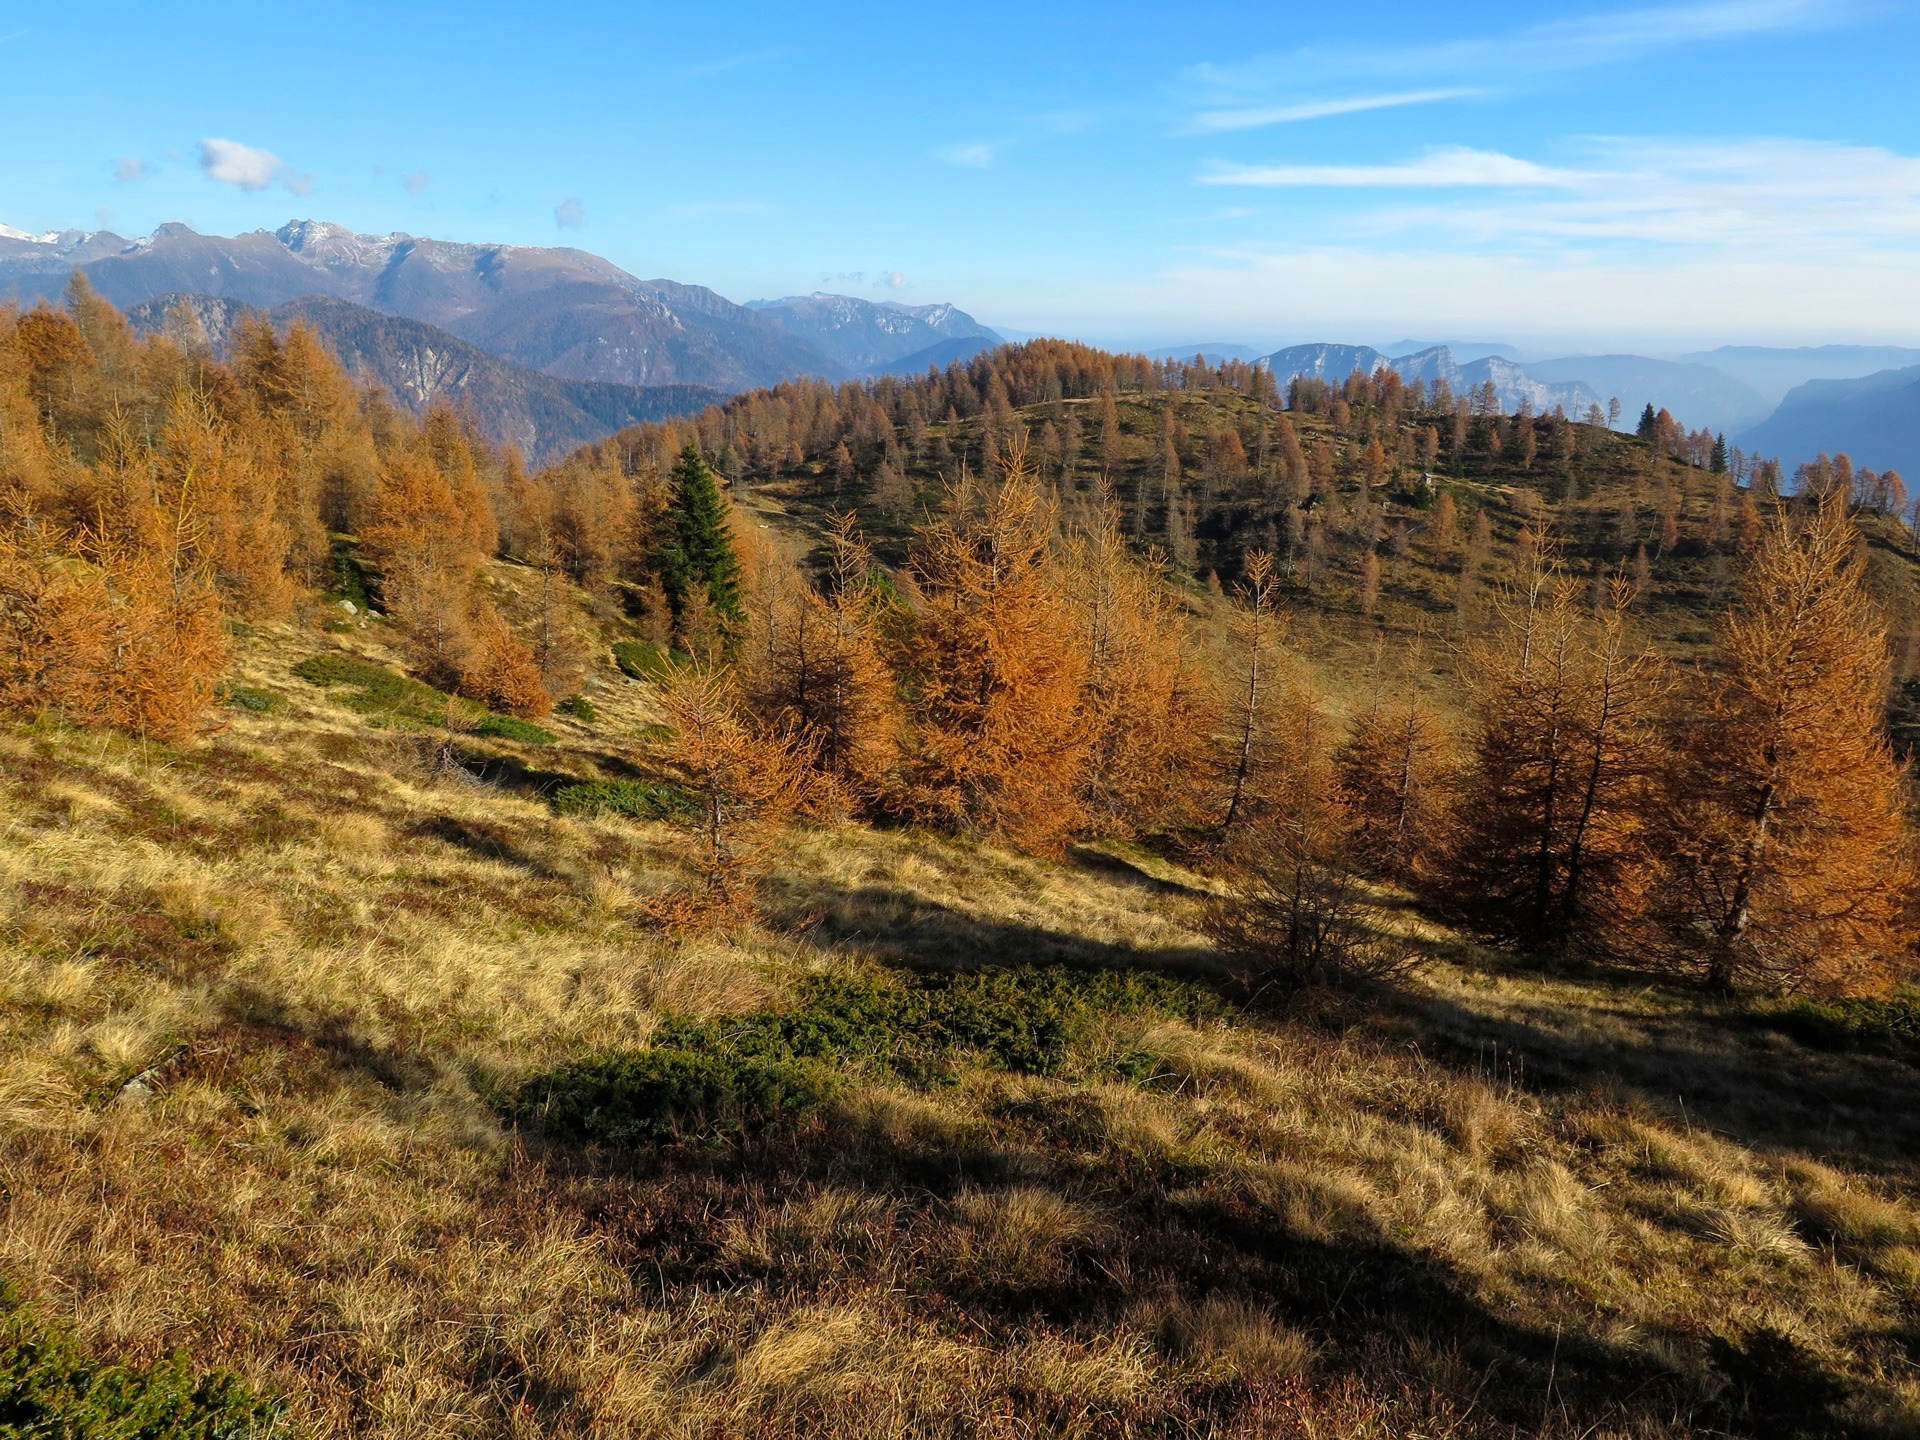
<point>260,999</point>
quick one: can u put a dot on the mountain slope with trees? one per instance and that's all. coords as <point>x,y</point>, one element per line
<point>420,366</point>
<point>1058,897</point>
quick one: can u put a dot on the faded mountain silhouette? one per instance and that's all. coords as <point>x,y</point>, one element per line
<point>420,365</point>
<point>1773,371</point>
<point>1875,419</point>
<point>871,338</point>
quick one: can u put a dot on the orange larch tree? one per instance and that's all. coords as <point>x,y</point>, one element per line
<point>996,668</point>
<point>1790,848</point>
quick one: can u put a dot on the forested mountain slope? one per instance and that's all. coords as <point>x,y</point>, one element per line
<point>499,952</point>
<point>420,366</point>
<point>1203,466</point>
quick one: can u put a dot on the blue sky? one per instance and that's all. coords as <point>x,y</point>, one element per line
<point>1660,176</point>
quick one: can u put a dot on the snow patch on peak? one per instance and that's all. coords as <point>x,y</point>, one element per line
<point>49,237</point>
<point>335,245</point>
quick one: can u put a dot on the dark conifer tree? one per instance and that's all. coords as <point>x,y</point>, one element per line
<point>696,546</point>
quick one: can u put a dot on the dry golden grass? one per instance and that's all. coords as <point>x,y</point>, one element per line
<point>1502,1203</point>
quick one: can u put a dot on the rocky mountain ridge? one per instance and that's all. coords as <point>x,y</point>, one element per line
<point>562,311</point>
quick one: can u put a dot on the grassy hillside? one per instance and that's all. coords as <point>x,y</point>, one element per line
<point>336,1054</point>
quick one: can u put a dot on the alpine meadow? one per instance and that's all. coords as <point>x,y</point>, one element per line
<point>581,859</point>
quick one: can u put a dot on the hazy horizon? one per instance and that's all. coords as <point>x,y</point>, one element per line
<point>1656,179</point>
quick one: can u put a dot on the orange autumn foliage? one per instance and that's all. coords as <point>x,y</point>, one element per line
<point>1790,853</point>
<point>997,667</point>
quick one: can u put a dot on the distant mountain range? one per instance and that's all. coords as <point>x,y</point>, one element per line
<point>864,338</point>
<point>551,348</point>
<point>1773,371</point>
<point>1699,396</point>
<point>1875,419</point>
<point>563,312</point>
<point>420,364</point>
<point>1214,352</point>
<point>1436,363</point>
<point>556,347</point>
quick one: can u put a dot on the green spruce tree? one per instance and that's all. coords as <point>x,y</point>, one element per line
<point>696,548</point>
<point>1717,464</point>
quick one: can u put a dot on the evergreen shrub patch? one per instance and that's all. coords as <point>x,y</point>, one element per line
<point>727,1077</point>
<point>50,1390</point>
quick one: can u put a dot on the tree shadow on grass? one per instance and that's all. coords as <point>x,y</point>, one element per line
<point>486,840</point>
<point>899,927</point>
<point>1373,1310</point>
<point>1704,1067</point>
<point>509,772</point>
<point>1119,867</point>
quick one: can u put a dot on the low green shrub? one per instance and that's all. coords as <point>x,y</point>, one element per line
<point>638,799</point>
<point>1028,1020</point>
<point>728,1077</point>
<point>347,579</point>
<point>375,691</point>
<point>641,659</point>
<point>49,1390</point>
<point>580,707</point>
<point>389,698</point>
<point>246,697</point>
<point>666,1094</point>
<point>512,727</point>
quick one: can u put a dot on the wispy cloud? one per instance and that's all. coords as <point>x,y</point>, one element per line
<point>570,214</point>
<point>1315,81</point>
<point>870,279</point>
<point>128,168</point>
<point>1252,117</point>
<point>415,183</point>
<point>974,155</point>
<point>249,168</point>
<point>1450,167</point>
<point>1783,196</point>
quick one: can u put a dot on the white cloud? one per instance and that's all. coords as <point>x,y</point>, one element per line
<point>1789,198</point>
<point>1451,166</point>
<point>570,214</point>
<point>1254,116</point>
<point>893,279</point>
<point>415,182</point>
<point>232,163</point>
<point>977,155</point>
<point>128,168</point>
<point>1309,82</point>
